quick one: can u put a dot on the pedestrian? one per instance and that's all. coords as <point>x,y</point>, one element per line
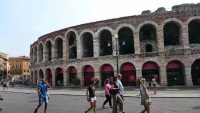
<point>58,83</point>
<point>7,85</point>
<point>107,93</point>
<point>155,88</point>
<point>116,97</point>
<point>120,85</point>
<point>144,95</point>
<point>4,84</point>
<point>91,97</point>
<point>42,94</point>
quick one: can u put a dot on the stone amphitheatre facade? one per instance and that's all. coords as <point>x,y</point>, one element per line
<point>164,45</point>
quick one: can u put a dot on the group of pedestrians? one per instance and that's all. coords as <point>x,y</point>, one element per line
<point>5,84</point>
<point>115,90</point>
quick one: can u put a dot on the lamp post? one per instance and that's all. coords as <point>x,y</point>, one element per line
<point>116,48</point>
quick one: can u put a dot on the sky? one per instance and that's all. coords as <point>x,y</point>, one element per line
<point>22,22</point>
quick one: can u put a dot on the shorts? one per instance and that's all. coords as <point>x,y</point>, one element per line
<point>92,99</point>
<point>4,85</point>
<point>45,99</point>
<point>143,99</point>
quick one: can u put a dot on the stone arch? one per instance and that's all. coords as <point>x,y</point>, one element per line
<point>48,49</point>
<point>194,30</point>
<point>87,75</point>
<point>147,22</point>
<point>174,59</point>
<point>71,44</point>
<point>40,51</point>
<point>87,31</point>
<point>100,30</point>
<point>126,40</point>
<point>125,26</point>
<point>59,36</point>
<point>40,43</point>
<point>41,73</point>
<point>35,54</point>
<point>105,38</point>
<point>172,34</point>
<point>87,39</point>
<point>71,30</point>
<point>48,40</point>
<point>192,18</point>
<point>58,47</point>
<point>59,76</point>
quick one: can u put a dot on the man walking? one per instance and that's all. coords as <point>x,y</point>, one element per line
<point>121,87</point>
<point>42,94</point>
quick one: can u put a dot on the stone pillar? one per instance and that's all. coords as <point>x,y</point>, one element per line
<point>188,76</point>
<point>138,73</point>
<point>160,39</point>
<point>163,75</point>
<point>54,52</point>
<point>44,53</point>
<point>64,78</point>
<point>96,46</point>
<point>67,49</point>
<point>38,54</point>
<point>53,77</point>
<point>137,42</point>
<point>185,38</point>
<point>79,47</point>
<point>64,50</point>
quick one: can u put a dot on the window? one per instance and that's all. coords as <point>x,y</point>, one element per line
<point>13,66</point>
<point>20,66</point>
<point>27,70</point>
<point>16,66</point>
<point>24,70</point>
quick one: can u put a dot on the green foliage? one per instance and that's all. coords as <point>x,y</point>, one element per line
<point>76,81</point>
<point>96,81</point>
<point>138,81</point>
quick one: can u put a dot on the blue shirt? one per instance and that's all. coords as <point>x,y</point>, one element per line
<point>121,87</point>
<point>42,88</point>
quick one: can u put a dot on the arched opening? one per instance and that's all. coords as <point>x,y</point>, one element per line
<point>59,48</point>
<point>59,77</point>
<point>105,43</point>
<point>72,74</point>
<point>194,32</point>
<point>72,45</point>
<point>128,74</point>
<point>195,71</point>
<point>175,73</point>
<point>35,54</point>
<point>41,74</point>
<point>35,78</point>
<point>148,32</point>
<point>148,48</point>
<point>49,76</point>
<point>150,70</point>
<point>106,72</point>
<point>171,34</point>
<point>40,53</point>
<point>126,41</point>
<point>88,75</point>
<point>87,45</point>
<point>48,51</point>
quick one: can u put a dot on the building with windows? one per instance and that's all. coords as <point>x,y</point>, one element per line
<point>164,45</point>
<point>19,67</point>
<point>4,65</point>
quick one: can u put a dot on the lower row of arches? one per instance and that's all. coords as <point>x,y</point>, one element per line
<point>174,71</point>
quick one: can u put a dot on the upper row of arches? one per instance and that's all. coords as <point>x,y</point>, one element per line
<point>147,31</point>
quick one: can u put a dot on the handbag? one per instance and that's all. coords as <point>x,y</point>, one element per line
<point>148,102</point>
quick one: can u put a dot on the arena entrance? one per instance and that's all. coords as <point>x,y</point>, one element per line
<point>59,77</point>
<point>150,70</point>
<point>175,73</point>
<point>106,72</point>
<point>72,74</point>
<point>88,75</point>
<point>128,74</point>
<point>49,76</point>
<point>195,71</point>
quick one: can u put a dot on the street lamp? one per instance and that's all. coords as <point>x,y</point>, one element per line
<point>116,48</point>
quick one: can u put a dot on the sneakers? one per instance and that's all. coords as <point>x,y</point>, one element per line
<point>1,99</point>
<point>85,111</point>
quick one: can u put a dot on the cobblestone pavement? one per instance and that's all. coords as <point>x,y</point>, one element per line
<point>26,103</point>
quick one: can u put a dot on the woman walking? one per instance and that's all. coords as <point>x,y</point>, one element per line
<point>91,97</point>
<point>155,88</point>
<point>144,95</point>
<point>107,93</point>
<point>116,97</point>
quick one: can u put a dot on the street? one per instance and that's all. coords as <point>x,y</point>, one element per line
<point>26,103</point>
